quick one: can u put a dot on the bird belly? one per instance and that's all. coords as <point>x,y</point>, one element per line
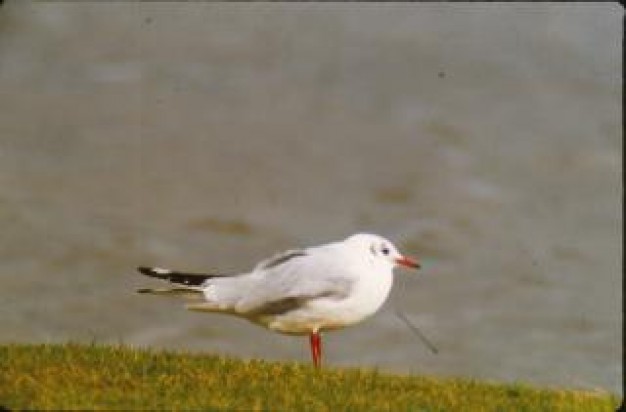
<point>321,315</point>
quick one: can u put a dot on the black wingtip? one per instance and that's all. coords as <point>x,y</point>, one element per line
<point>154,272</point>
<point>145,270</point>
<point>187,279</point>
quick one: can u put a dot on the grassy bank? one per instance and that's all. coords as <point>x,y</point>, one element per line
<point>117,377</point>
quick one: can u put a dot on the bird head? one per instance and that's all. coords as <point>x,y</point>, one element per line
<point>381,250</point>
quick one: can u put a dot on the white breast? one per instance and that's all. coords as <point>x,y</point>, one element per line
<point>371,291</point>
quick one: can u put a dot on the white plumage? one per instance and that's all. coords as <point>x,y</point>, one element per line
<point>301,291</point>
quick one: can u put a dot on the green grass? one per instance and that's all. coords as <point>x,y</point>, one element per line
<point>73,376</point>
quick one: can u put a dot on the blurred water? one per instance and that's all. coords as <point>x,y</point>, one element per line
<point>483,138</point>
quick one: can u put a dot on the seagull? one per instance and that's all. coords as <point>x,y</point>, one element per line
<point>300,291</point>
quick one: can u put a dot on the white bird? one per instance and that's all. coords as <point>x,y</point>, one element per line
<point>300,291</point>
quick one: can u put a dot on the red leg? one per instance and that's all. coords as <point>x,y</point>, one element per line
<point>316,348</point>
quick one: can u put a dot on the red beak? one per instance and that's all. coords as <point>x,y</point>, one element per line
<point>408,262</point>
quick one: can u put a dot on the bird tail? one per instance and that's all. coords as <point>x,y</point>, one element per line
<point>185,292</point>
<point>188,285</point>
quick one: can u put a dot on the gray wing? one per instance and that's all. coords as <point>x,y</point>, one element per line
<point>279,258</point>
<point>290,280</point>
<point>277,305</point>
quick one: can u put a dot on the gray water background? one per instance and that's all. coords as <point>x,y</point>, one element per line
<point>483,138</point>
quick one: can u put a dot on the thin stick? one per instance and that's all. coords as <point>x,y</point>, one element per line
<point>417,332</point>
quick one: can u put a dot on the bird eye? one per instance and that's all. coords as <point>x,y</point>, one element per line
<point>385,250</point>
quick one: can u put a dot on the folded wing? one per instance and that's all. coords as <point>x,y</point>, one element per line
<point>291,280</point>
